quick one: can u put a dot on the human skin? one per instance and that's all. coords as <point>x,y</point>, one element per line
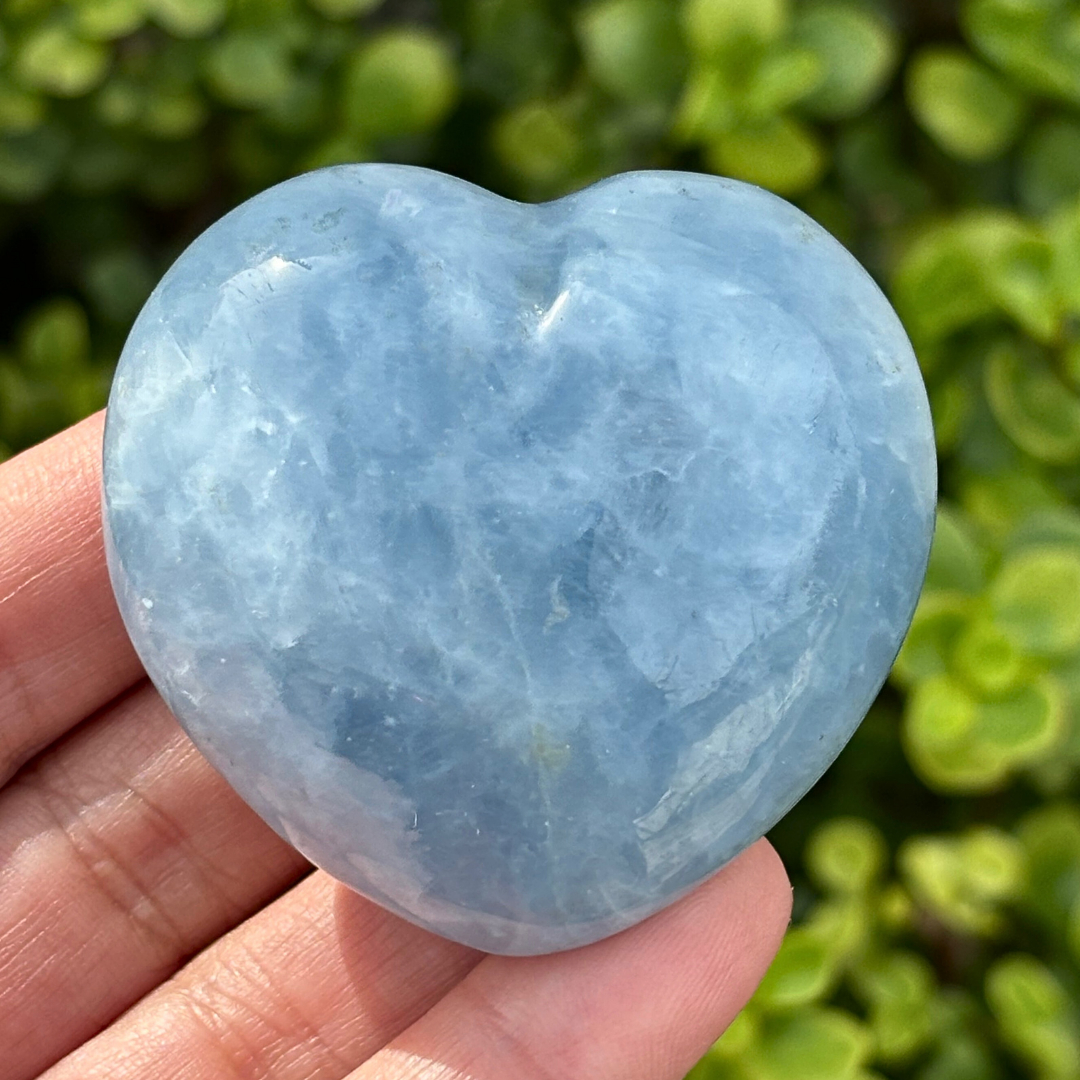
<point>152,926</point>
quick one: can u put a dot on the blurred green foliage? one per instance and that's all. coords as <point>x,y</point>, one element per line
<point>937,865</point>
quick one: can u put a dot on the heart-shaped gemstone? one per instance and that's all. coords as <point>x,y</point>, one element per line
<point>520,564</point>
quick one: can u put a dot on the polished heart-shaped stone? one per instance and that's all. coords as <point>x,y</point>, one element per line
<point>520,564</point>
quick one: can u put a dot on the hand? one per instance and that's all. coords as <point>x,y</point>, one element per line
<point>151,926</point>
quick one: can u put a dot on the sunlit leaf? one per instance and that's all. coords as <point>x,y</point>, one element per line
<point>715,26</point>
<point>1034,599</point>
<point>812,1044</point>
<point>540,142</point>
<point>940,618</point>
<point>188,18</point>
<point>804,971</point>
<point>344,9</point>
<point>249,69</point>
<point>845,855</point>
<point>56,61</point>
<point>781,155</point>
<point>1032,404</point>
<point>633,48</point>
<point>970,111</point>
<point>402,81</point>
<point>858,50</point>
<point>1034,41</point>
<point>1035,1014</point>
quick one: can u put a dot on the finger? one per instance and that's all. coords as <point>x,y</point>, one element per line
<point>121,854</point>
<point>322,979</point>
<point>63,649</point>
<point>308,987</point>
<point>644,1005</point>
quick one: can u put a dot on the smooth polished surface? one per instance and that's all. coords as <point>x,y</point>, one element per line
<point>521,565</point>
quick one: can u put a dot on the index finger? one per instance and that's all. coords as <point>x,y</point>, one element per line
<point>64,651</point>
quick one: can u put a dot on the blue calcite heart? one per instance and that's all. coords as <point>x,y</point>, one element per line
<point>519,564</point>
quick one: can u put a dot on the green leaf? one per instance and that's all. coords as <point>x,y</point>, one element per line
<point>894,908</point>
<point>962,880</point>
<point>119,103</point>
<point>997,503</point>
<point>341,148</point>
<point>707,108</point>
<point>845,855</point>
<point>714,27</point>
<point>982,261</point>
<point>956,559</point>
<point>940,721</point>
<point>898,987</point>
<point>20,110</point>
<point>55,339</point>
<point>1070,363</point>
<point>962,1054</point>
<point>633,48</point>
<point>249,69</point>
<point>968,110</point>
<point>741,1034</point>
<point>844,921</point>
<point>173,112</point>
<point>1034,600</point>
<point>1036,43</point>
<point>959,741</point>
<point>1018,264</point>
<point>302,111</point>
<point>54,60</point>
<point>780,155</point>
<point>784,75</point>
<point>1050,837</point>
<point>1037,411</point>
<point>517,50</point>
<point>85,393</point>
<point>30,163</point>
<point>1049,175</point>
<point>744,101</point>
<point>858,52</point>
<point>1035,1014</point>
<point>938,286</point>
<point>117,283</point>
<point>804,970</point>
<point>813,1043</point>
<point>401,82</point>
<point>1025,723</point>
<point>103,20</point>
<point>1063,234</point>
<point>188,18</point>
<point>987,660</point>
<point>540,143</point>
<point>344,9</point>
<point>1057,526</point>
<point>30,409</point>
<point>940,617</point>
<point>994,866</point>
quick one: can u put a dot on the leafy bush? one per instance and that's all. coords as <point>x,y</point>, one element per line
<point>937,865</point>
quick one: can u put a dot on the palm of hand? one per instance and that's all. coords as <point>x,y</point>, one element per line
<point>151,925</point>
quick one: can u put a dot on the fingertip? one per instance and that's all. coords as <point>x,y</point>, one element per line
<point>774,885</point>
